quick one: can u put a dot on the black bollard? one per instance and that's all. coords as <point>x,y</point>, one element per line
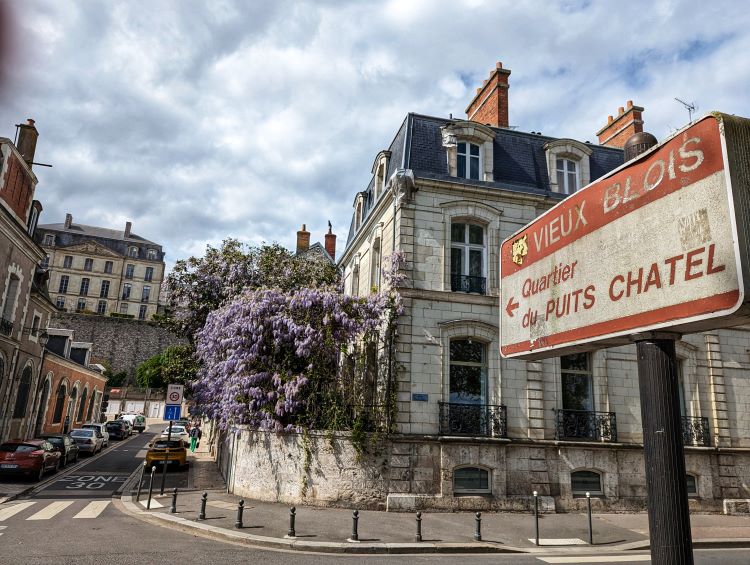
<point>292,513</point>
<point>202,515</point>
<point>591,526</point>
<point>536,517</point>
<point>418,537</point>
<point>240,510</point>
<point>478,528</point>
<point>173,508</point>
<point>150,488</point>
<point>140,483</point>
<point>355,524</point>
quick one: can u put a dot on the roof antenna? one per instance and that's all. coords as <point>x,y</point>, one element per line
<point>689,107</point>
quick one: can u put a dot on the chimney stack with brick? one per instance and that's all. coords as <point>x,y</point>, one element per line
<point>618,130</point>
<point>331,242</point>
<point>128,227</point>
<point>490,105</point>
<point>68,221</point>
<point>303,239</point>
<point>27,136</point>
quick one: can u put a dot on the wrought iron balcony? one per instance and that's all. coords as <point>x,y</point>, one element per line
<point>487,420</point>
<point>586,425</point>
<point>465,283</point>
<point>695,431</point>
<point>6,326</point>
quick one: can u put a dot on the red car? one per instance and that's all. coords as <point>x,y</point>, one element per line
<point>30,457</point>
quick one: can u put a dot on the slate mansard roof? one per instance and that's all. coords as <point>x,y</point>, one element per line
<point>114,240</point>
<point>519,160</point>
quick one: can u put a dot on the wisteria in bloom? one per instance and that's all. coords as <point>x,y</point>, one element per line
<point>265,353</point>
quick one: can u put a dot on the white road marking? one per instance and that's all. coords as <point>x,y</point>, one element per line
<point>51,510</point>
<point>93,509</point>
<point>6,513</point>
<point>2,528</point>
<point>559,541</point>
<point>596,559</point>
<point>154,503</point>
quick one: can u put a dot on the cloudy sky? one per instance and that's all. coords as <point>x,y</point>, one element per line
<point>203,120</point>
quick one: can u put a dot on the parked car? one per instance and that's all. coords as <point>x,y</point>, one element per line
<point>30,457</point>
<point>117,429</point>
<point>128,424</point>
<point>89,441</point>
<point>136,421</point>
<point>178,432</point>
<point>174,450</point>
<point>65,444</point>
<point>101,428</point>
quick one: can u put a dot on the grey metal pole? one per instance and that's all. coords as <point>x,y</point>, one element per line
<point>140,483</point>
<point>478,526</point>
<point>668,511</point>
<point>591,526</point>
<point>150,488</point>
<point>536,517</point>
<point>240,510</point>
<point>355,525</point>
<point>418,537</point>
<point>292,514</point>
<point>173,508</point>
<point>166,459</point>
<point>202,513</point>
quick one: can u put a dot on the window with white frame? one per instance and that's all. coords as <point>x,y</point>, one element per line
<point>133,252</point>
<point>468,160</point>
<point>468,258</point>
<point>577,382</point>
<point>358,216</point>
<point>101,307</point>
<point>468,372</point>
<point>49,239</point>
<point>60,302</point>
<point>585,481</point>
<point>375,265</point>
<point>64,280</point>
<point>568,178</point>
<point>68,262</point>
<point>471,480</point>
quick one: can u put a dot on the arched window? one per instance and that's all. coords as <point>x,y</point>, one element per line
<point>82,405</point>
<point>358,219</point>
<point>471,480</point>
<point>91,406</point>
<point>22,398</point>
<point>582,482</point>
<point>375,266</point>
<point>72,404</point>
<point>62,392</point>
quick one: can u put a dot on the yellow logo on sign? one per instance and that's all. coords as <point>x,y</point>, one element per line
<point>520,250</point>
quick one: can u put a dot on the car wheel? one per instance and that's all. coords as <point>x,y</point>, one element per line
<point>57,466</point>
<point>41,473</point>
<point>76,459</point>
<point>65,461</point>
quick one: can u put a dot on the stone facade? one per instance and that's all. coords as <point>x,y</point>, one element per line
<point>122,343</point>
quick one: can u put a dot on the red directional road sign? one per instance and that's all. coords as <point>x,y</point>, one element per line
<point>659,244</point>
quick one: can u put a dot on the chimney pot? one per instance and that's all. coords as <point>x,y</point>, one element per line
<point>479,90</point>
<point>610,119</point>
<point>484,82</point>
<point>620,111</point>
<point>128,227</point>
<point>619,129</point>
<point>498,65</point>
<point>68,220</point>
<point>303,239</point>
<point>630,103</point>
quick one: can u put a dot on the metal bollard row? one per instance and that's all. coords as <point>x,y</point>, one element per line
<point>173,508</point>
<point>202,514</point>
<point>240,511</point>
<point>292,515</point>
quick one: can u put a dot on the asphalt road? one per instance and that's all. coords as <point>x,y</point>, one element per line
<point>74,520</point>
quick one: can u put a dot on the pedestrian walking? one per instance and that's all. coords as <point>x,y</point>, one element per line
<point>194,435</point>
<point>200,434</point>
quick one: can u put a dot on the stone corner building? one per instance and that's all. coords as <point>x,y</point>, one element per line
<point>101,270</point>
<point>25,307</point>
<point>475,431</point>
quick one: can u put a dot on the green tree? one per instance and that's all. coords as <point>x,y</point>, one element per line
<point>175,365</point>
<point>114,379</point>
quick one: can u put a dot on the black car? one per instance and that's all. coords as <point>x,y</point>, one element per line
<point>65,445</point>
<point>118,429</point>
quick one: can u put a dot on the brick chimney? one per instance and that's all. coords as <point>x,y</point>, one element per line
<point>331,241</point>
<point>27,136</point>
<point>490,105</point>
<point>128,227</point>
<point>68,221</point>
<point>303,240</point>
<point>618,130</point>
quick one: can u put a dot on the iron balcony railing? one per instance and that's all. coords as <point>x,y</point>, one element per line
<point>695,431</point>
<point>465,283</point>
<point>6,326</point>
<point>586,425</point>
<point>488,420</point>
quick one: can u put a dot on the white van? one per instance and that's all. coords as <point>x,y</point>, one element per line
<point>137,422</point>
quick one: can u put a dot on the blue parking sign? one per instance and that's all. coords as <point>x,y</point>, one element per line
<point>172,412</point>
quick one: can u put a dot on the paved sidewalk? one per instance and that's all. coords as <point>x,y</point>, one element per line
<point>330,529</point>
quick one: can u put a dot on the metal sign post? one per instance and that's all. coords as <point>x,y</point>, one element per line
<point>166,459</point>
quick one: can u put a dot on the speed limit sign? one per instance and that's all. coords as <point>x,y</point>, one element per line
<point>174,394</point>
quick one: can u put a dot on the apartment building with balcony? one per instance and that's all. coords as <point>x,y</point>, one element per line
<point>478,431</point>
<point>100,270</point>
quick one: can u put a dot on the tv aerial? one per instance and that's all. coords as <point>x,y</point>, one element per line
<point>690,107</point>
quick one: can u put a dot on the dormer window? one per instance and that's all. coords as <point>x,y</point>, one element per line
<point>49,239</point>
<point>567,176</point>
<point>151,254</point>
<point>567,165</point>
<point>380,170</point>
<point>133,252</point>
<point>358,221</point>
<point>468,160</point>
